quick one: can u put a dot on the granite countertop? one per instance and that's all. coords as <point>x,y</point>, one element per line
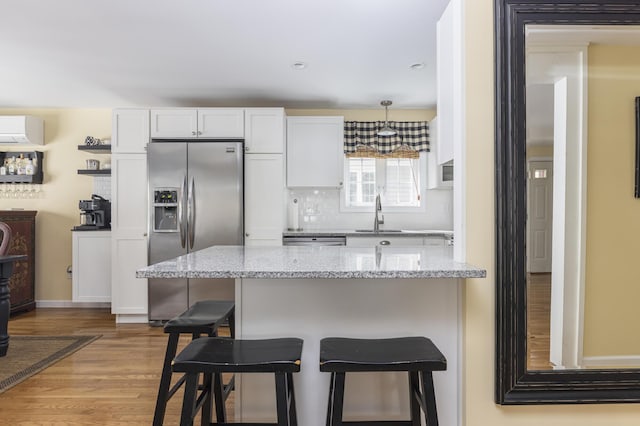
<point>314,262</point>
<point>356,233</point>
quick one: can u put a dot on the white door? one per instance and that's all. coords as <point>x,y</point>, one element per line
<point>540,214</point>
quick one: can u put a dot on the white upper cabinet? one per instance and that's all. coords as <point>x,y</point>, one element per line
<point>449,88</point>
<point>264,199</point>
<point>264,130</point>
<point>130,131</point>
<point>221,123</point>
<point>210,123</point>
<point>315,156</point>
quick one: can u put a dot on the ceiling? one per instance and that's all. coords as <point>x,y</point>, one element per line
<point>118,53</point>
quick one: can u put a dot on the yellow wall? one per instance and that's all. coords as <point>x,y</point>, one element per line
<point>57,205</point>
<point>613,215</point>
<point>479,299</point>
<point>370,114</point>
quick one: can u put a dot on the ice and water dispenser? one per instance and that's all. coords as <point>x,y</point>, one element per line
<point>165,210</point>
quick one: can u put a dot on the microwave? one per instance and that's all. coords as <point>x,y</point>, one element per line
<point>440,176</point>
<point>446,172</point>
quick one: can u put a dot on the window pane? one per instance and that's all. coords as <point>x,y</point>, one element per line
<point>402,180</point>
<point>362,181</point>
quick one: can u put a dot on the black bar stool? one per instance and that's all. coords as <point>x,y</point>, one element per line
<point>202,318</point>
<point>214,355</point>
<point>418,356</point>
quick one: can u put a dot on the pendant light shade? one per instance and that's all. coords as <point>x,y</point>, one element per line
<point>386,130</point>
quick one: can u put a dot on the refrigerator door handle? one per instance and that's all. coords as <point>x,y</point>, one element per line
<point>181,215</point>
<point>191,211</point>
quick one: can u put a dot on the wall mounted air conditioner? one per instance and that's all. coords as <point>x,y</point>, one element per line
<point>21,129</point>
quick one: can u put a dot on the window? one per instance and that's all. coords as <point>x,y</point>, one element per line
<point>398,180</point>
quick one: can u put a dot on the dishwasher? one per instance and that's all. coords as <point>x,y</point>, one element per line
<point>311,241</point>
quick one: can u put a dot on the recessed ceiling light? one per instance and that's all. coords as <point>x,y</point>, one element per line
<point>299,65</point>
<point>417,66</point>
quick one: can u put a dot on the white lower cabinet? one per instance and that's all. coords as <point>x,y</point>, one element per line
<point>264,199</point>
<point>129,294</point>
<point>378,240</point>
<point>91,260</point>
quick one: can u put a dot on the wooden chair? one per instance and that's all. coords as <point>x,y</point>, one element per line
<point>418,356</point>
<point>6,238</point>
<point>202,318</point>
<point>213,356</point>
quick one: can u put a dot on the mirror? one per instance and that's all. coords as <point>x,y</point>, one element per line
<point>554,280</point>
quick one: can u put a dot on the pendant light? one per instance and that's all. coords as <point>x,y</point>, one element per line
<point>386,130</point>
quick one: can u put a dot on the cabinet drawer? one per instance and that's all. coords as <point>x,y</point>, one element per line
<point>373,241</point>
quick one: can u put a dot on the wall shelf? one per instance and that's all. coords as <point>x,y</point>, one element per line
<point>96,149</point>
<point>36,177</point>
<point>101,172</point>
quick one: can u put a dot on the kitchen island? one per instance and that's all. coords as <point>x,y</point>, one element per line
<point>316,292</point>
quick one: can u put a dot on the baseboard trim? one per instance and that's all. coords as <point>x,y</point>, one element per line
<point>70,304</point>
<point>132,318</point>
<point>632,361</point>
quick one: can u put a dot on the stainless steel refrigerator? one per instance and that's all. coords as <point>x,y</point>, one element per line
<point>196,201</point>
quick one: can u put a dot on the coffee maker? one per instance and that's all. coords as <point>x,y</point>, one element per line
<point>95,214</point>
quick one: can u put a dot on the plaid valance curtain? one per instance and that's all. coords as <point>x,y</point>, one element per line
<point>361,139</point>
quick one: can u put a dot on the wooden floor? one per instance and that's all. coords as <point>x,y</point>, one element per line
<point>112,381</point>
<point>538,321</point>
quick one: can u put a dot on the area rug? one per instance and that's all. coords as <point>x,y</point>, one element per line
<point>28,355</point>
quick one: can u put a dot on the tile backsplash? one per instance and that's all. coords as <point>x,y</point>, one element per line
<point>102,186</point>
<point>319,209</point>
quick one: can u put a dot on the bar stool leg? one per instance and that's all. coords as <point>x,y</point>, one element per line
<point>293,416</point>
<point>218,396</point>
<point>338,399</point>
<point>330,405</point>
<point>207,383</point>
<point>414,396</point>
<point>165,380</point>
<point>281,399</point>
<point>189,401</point>
<point>428,391</point>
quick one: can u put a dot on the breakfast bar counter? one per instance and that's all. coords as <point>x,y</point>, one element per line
<point>316,292</point>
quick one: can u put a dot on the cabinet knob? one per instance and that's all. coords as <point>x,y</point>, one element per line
<point>385,243</point>
<point>144,235</point>
<point>340,183</point>
<point>199,132</point>
<point>193,133</point>
<point>246,235</point>
<point>246,148</point>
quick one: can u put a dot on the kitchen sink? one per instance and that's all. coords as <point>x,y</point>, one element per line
<point>379,231</point>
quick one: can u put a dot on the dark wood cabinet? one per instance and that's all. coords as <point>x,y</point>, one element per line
<point>22,285</point>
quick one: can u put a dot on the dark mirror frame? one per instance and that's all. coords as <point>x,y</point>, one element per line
<point>514,383</point>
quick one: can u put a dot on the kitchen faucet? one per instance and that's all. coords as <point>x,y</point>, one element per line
<point>378,221</point>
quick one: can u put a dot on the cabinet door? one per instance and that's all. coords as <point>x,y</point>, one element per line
<point>264,130</point>
<point>129,193</point>
<point>315,156</point>
<point>449,74</point>
<point>91,259</point>
<point>264,199</point>
<point>174,123</point>
<point>128,230</point>
<point>382,240</point>
<point>130,130</point>
<point>220,123</point>
<point>129,294</point>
